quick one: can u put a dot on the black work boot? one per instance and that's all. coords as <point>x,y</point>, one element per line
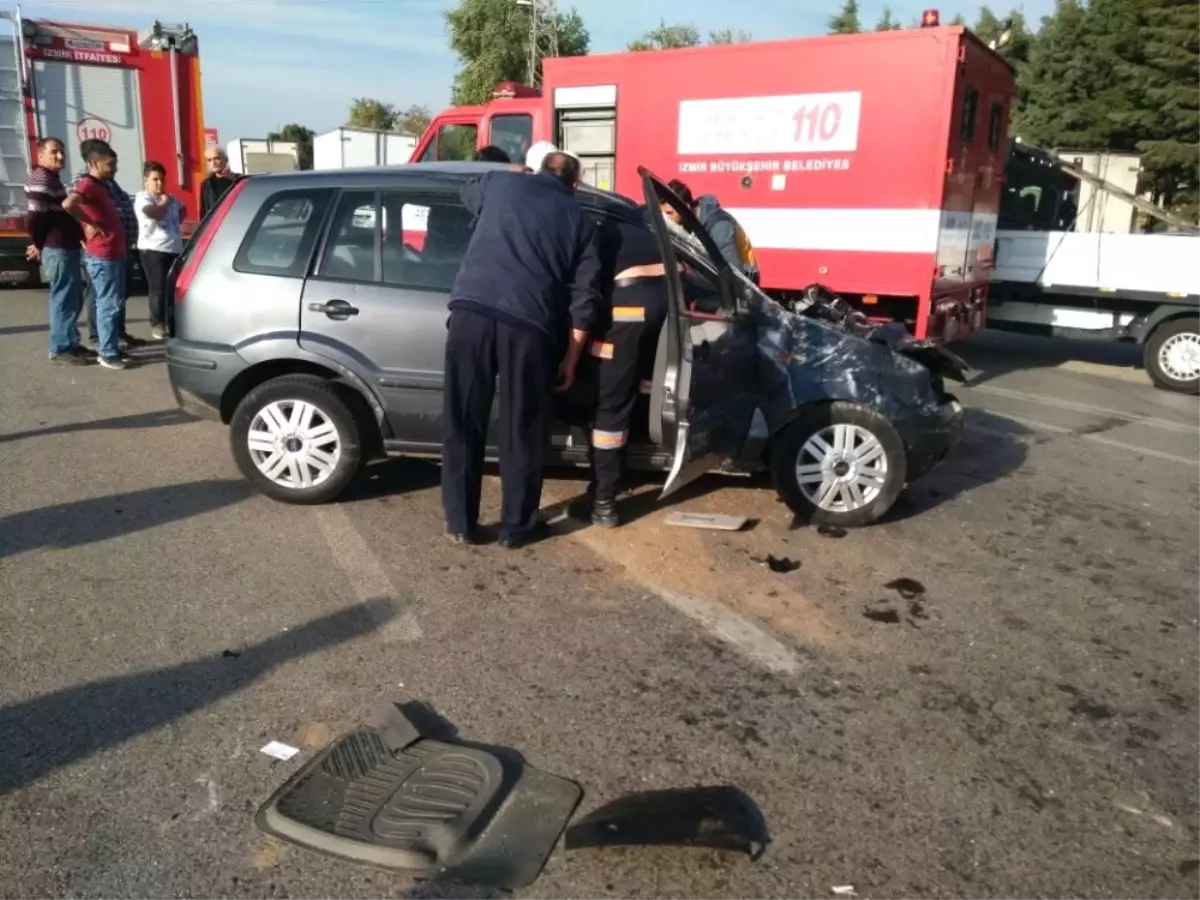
<point>604,514</point>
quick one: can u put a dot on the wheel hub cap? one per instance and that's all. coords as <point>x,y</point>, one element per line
<point>842,468</point>
<point>1179,357</point>
<point>294,443</point>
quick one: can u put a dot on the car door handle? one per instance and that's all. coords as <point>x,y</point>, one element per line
<point>335,309</point>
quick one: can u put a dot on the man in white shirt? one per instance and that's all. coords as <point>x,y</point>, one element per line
<point>160,240</point>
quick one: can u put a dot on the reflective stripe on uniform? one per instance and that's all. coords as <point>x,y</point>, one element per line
<point>609,440</point>
<point>629,314</point>
<point>645,387</point>
<point>601,350</point>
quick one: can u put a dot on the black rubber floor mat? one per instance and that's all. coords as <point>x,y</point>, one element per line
<point>385,795</point>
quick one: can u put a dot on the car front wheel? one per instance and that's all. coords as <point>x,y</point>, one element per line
<point>296,440</point>
<point>839,464</point>
<point>1172,356</point>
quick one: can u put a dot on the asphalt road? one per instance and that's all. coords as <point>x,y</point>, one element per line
<point>1026,726</point>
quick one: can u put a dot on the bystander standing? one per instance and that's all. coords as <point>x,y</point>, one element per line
<point>106,253</point>
<point>54,240</point>
<point>160,240</point>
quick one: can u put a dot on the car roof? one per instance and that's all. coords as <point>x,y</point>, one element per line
<point>432,174</point>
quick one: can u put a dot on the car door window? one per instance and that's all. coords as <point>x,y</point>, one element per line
<point>428,248</point>
<point>281,238</point>
<point>350,248</point>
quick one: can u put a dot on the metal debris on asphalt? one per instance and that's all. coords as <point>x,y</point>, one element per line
<point>779,564</point>
<point>908,588</point>
<point>883,616</point>
<point>714,521</point>
<point>280,750</point>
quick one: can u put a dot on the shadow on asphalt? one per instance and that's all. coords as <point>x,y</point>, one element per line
<point>994,354</point>
<point>101,518</point>
<point>54,730</point>
<point>9,330</point>
<point>157,419</point>
<point>992,448</point>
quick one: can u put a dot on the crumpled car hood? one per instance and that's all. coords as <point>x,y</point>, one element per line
<point>804,360</point>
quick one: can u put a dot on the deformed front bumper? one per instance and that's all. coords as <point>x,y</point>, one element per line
<point>930,436</point>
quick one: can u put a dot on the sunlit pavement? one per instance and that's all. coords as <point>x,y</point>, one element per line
<point>1025,726</point>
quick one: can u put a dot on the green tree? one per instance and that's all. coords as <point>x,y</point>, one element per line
<point>1013,41</point>
<point>367,113</point>
<point>413,120</point>
<point>1060,84</point>
<point>302,137</point>
<point>886,22</point>
<point>1075,87</point>
<point>1163,119</point>
<point>846,22</point>
<point>669,37</point>
<point>957,20</point>
<point>729,36</point>
<point>491,38</point>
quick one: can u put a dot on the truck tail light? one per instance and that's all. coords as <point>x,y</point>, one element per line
<point>930,18</point>
<point>202,239</point>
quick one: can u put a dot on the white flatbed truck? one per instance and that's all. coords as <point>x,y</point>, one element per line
<point>1052,280</point>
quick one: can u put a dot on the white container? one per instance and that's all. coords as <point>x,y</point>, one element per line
<point>351,148</point>
<point>258,156</point>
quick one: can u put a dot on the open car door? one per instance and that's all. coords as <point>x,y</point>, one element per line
<point>704,390</point>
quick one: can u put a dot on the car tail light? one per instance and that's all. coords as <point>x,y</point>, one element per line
<point>208,230</point>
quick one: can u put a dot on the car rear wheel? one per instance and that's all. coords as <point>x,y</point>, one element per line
<point>296,440</point>
<point>1172,356</point>
<point>839,464</point>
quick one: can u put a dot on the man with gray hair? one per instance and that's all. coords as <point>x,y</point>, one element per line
<point>530,271</point>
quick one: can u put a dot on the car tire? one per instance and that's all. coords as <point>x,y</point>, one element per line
<point>327,452</point>
<point>874,462</point>
<point>1172,356</point>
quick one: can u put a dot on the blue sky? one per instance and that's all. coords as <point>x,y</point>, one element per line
<point>269,62</point>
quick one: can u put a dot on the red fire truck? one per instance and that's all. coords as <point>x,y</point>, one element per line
<point>869,162</point>
<point>141,93</point>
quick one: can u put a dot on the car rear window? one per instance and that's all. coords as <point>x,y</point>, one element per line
<point>281,238</point>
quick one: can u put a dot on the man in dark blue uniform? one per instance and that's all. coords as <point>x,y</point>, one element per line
<point>530,269</point>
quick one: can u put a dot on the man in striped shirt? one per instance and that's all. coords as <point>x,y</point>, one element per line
<point>54,240</point>
<point>129,223</point>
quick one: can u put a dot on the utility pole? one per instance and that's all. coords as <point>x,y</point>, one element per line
<point>543,37</point>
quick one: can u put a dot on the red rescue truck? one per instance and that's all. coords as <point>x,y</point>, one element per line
<point>141,93</point>
<point>869,162</point>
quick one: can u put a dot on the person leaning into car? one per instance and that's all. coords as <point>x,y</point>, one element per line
<point>530,268</point>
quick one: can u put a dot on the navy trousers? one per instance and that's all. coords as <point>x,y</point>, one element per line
<point>479,350</point>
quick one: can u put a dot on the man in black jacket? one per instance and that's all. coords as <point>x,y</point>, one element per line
<point>530,268</point>
<point>220,179</point>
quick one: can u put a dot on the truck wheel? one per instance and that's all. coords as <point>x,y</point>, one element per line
<point>296,440</point>
<point>839,464</point>
<point>1172,356</point>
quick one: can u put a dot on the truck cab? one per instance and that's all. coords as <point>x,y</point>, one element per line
<point>509,121</point>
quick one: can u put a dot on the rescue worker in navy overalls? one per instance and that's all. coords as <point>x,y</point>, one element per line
<point>621,355</point>
<point>531,269</point>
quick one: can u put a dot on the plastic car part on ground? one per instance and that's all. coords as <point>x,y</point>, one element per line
<point>404,792</point>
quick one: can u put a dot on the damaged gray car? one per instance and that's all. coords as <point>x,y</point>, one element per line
<point>317,337</point>
<point>843,413</point>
